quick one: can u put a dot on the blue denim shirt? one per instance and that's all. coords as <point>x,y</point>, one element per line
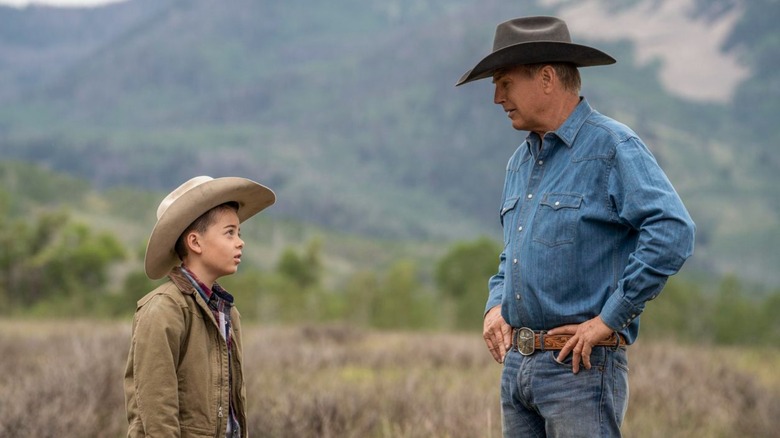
<point>592,226</point>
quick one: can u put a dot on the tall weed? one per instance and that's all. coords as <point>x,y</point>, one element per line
<point>64,379</point>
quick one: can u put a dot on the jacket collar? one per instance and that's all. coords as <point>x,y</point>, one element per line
<point>181,281</point>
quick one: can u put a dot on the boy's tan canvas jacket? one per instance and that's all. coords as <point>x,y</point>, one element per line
<point>177,376</point>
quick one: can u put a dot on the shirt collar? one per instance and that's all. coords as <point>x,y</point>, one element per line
<point>204,291</point>
<point>568,131</point>
<point>216,291</point>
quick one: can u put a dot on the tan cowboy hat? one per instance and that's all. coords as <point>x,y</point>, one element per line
<point>188,202</point>
<point>532,40</point>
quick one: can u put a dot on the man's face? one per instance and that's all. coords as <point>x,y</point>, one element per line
<point>521,96</point>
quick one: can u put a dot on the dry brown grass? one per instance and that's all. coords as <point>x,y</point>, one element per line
<point>64,379</point>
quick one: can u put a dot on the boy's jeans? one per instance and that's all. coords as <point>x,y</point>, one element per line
<point>543,398</point>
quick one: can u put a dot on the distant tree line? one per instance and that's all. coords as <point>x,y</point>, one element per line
<point>53,266</point>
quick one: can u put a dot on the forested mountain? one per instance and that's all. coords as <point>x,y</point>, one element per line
<point>348,110</point>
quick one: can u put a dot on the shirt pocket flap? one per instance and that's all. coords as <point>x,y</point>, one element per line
<point>509,204</point>
<point>557,201</point>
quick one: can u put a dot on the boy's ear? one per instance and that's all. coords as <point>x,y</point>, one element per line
<point>192,241</point>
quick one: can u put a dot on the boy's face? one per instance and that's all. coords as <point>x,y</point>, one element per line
<point>220,246</point>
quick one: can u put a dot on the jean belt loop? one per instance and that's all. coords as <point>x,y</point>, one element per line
<point>617,340</point>
<point>541,339</point>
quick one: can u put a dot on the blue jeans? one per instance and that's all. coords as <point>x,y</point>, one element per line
<point>541,397</point>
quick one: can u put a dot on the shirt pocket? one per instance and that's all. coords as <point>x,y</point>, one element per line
<point>555,222</point>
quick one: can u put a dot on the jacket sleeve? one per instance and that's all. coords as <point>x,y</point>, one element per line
<point>645,200</point>
<point>158,332</point>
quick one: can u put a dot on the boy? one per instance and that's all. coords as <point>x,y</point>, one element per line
<point>184,374</point>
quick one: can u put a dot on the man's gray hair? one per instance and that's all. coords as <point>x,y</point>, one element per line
<point>567,74</point>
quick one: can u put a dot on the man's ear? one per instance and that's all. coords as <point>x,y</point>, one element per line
<point>548,77</point>
<point>192,241</point>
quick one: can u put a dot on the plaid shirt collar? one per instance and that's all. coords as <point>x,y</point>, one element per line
<point>216,297</point>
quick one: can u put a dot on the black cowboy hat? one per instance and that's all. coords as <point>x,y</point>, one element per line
<point>533,40</point>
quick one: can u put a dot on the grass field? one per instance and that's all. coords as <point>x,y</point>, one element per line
<point>64,379</point>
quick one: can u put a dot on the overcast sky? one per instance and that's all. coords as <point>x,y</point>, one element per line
<point>64,3</point>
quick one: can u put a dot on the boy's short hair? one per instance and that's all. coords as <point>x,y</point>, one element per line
<point>201,225</point>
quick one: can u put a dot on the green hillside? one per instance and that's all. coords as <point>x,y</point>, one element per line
<point>348,110</point>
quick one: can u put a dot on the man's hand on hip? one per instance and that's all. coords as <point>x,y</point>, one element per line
<point>584,337</point>
<point>497,334</point>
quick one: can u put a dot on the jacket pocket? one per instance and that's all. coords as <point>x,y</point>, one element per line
<point>555,222</point>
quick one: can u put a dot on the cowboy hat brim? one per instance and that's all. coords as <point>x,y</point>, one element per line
<point>251,198</point>
<point>535,52</point>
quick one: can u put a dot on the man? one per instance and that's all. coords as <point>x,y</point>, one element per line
<point>592,229</point>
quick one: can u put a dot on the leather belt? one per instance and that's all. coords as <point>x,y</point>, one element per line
<point>527,341</point>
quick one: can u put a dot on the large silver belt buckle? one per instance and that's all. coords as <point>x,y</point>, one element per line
<point>525,341</point>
